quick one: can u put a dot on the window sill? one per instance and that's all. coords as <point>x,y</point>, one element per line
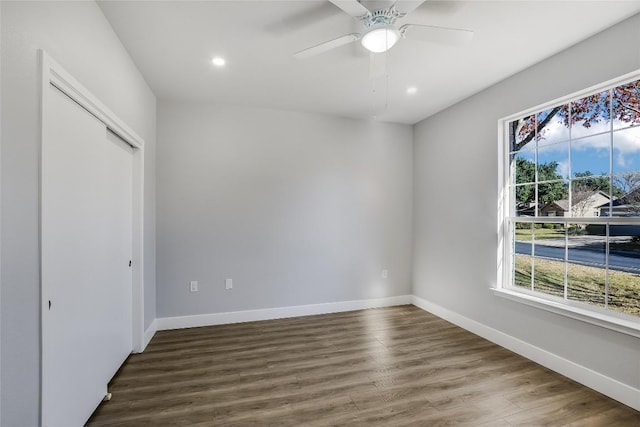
<point>617,324</point>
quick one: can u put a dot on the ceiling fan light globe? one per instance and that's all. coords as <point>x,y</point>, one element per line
<point>380,39</point>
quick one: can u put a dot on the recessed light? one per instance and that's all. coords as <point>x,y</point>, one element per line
<point>412,90</point>
<point>218,61</point>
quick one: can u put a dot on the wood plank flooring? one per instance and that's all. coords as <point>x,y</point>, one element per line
<point>392,366</point>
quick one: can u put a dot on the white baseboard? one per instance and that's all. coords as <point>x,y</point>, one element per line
<point>149,333</point>
<point>164,323</point>
<point>621,392</point>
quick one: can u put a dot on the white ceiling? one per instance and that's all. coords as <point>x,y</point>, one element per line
<point>172,42</point>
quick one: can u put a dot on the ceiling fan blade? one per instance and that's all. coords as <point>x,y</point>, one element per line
<point>351,7</point>
<point>377,65</point>
<point>314,14</point>
<point>436,34</point>
<point>326,46</point>
<point>407,6</point>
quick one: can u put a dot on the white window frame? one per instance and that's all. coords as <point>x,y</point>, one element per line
<point>592,314</point>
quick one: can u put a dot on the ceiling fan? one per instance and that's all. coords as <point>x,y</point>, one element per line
<point>380,30</point>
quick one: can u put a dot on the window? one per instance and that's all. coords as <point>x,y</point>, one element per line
<point>570,208</point>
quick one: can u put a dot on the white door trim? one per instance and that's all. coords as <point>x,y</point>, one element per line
<point>54,73</point>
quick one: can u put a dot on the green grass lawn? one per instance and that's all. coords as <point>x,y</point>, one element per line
<point>540,233</point>
<point>586,284</point>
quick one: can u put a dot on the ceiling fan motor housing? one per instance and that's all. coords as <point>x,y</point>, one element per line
<point>382,17</point>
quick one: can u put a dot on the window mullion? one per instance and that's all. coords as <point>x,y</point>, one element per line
<point>533,255</point>
<point>570,189</point>
<point>610,155</point>
<point>566,261</point>
<point>606,266</point>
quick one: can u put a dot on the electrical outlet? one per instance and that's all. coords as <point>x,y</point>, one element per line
<point>228,284</point>
<point>385,274</point>
<point>193,286</point>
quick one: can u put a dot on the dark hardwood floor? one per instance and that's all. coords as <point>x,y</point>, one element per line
<point>386,367</point>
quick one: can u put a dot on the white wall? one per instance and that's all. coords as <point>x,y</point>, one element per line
<point>296,208</point>
<point>77,35</point>
<point>455,200</point>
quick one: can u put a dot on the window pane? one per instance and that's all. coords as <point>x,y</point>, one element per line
<point>552,192</point>
<point>624,268</point>
<point>525,196</point>
<point>553,124</point>
<point>522,134</point>
<point>586,267</point>
<point>590,156</point>
<point>523,241</point>
<point>590,115</point>
<point>524,169</point>
<point>626,105</point>
<point>626,150</point>
<point>553,162</point>
<point>556,208</point>
<point>627,188</point>
<point>550,235</point>
<point>548,262</point>
<point>590,197</point>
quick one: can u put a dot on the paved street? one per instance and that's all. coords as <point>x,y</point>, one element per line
<point>585,256</point>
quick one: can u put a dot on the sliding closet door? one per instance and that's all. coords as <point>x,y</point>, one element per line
<point>86,248</point>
